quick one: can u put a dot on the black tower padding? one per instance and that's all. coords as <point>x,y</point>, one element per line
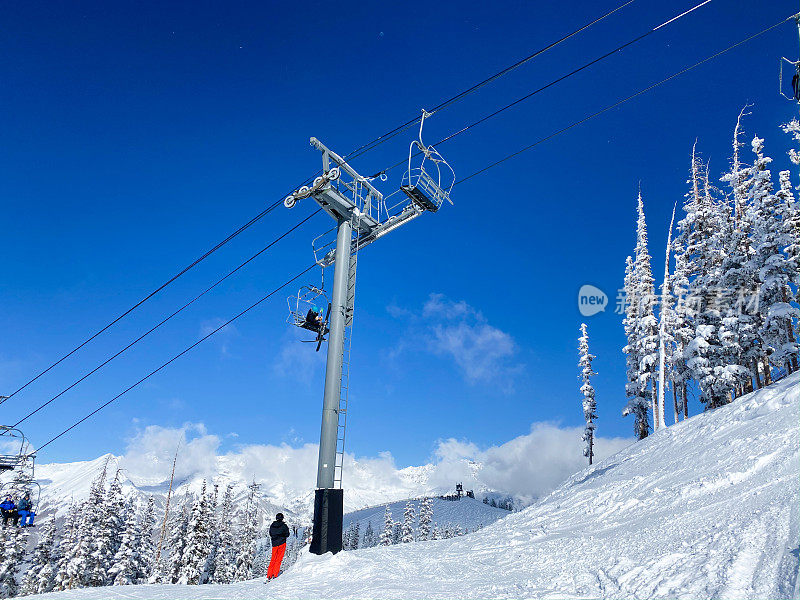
<point>326,535</point>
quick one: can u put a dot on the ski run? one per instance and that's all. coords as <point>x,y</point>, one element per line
<point>707,508</point>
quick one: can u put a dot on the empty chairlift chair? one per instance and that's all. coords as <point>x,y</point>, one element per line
<point>429,178</point>
<point>9,462</point>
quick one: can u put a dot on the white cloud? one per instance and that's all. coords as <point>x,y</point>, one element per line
<point>223,337</point>
<point>297,359</point>
<point>525,467</point>
<point>461,333</point>
<point>150,452</point>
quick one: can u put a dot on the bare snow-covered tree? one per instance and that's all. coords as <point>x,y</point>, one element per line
<point>588,402</point>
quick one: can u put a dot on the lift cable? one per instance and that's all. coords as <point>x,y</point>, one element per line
<point>552,83</point>
<point>475,174</point>
<point>177,356</point>
<point>624,100</point>
<point>461,95</point>
<point>358,152</point>
<point>152,329</point>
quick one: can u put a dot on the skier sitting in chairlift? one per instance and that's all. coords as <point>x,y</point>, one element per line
<point>9,511</point>
<point>313,319</point>
<point>25,511</point>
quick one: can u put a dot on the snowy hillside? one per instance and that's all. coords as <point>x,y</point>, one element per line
<point>707,508</point>
<point>467,513</point>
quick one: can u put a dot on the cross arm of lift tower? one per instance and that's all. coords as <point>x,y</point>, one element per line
<point>362,215</point>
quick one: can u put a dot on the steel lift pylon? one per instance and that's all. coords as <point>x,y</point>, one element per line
<point>362,215</point>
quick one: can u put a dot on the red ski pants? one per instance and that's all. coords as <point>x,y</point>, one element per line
<point>275,562</point>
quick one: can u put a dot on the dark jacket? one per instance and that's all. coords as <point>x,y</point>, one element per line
<point>7,505</point>
<point>278,532</point>
<point>24,504</point>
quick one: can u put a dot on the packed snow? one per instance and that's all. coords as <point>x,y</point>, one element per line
<point>707,508</point>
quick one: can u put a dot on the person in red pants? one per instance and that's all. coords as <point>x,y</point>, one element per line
<point>278,533</point>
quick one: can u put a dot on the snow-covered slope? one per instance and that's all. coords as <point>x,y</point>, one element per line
<point>467,513</point>
<point>707,508</point>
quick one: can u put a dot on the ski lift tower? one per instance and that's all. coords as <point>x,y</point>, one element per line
<point>362,215</point>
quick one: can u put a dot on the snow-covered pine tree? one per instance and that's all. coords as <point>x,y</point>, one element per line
<point>741,343</point>
<point>356,537</point>
<point>77,564</point>
<point>127,567</point>
<point>213,533</point>
<point>347,534</point>
<point>40,576</point>
<point>773,268</point>
<point>646,323</point>
<point>387,534</point>
<point>698,248</point>
<point>247,537</point>
<point>176,542</point>
<point>425,518</point>
<point>225,558</point>
<point>637,402</point>
<point>407,529</point>
<point>589,404</point>
<point>194,567</point>
<point>147,545</point>
<point>111,527</point>
<point>15,540</point>
<point>436,532</point>
<point>793,129</point>
<point>397,534</point>
<point>666,329</point>
<point>369,536</point>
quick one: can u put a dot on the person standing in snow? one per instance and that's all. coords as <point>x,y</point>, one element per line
<point>9,511</point>
<point>25,511</point>
<point>278,533</point>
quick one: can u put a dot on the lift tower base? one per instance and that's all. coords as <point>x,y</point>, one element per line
<point>326,535</point>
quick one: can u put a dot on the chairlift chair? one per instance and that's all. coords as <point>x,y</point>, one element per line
<point>795,72</point>
<point>429,181</point>
<point>795,79</point>
<point>8,462</point>
<point>308,298</point>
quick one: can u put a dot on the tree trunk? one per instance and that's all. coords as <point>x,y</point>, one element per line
<point>675,401</point>
<point>755,374</point>
<point>767,372</point>
<point>685,403</point>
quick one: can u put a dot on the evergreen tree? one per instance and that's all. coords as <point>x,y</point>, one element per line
<point>225,558</point>
<point>589,404</point>
<point>646,323</point>
<point>194,566</point>
<point>178,528</point>
<point>247,549</point>
<point>770,263</point>
<point>397,534</point>
<point>40,576</point>
<point>369,536</point>
<point>426,518</point>
<point>128,565</point>
<point>638,405</point>
<point>356,537</point>
<point>15,540</point>
<point>147,545</point>
<point>407,529</point>
<point>110,529</point>
<point>77,566</point>
<point>388,528</point>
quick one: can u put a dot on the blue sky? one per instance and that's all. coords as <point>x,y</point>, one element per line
<point>137,135</point>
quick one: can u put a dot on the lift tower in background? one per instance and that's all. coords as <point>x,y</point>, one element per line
<point>362,215</point>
